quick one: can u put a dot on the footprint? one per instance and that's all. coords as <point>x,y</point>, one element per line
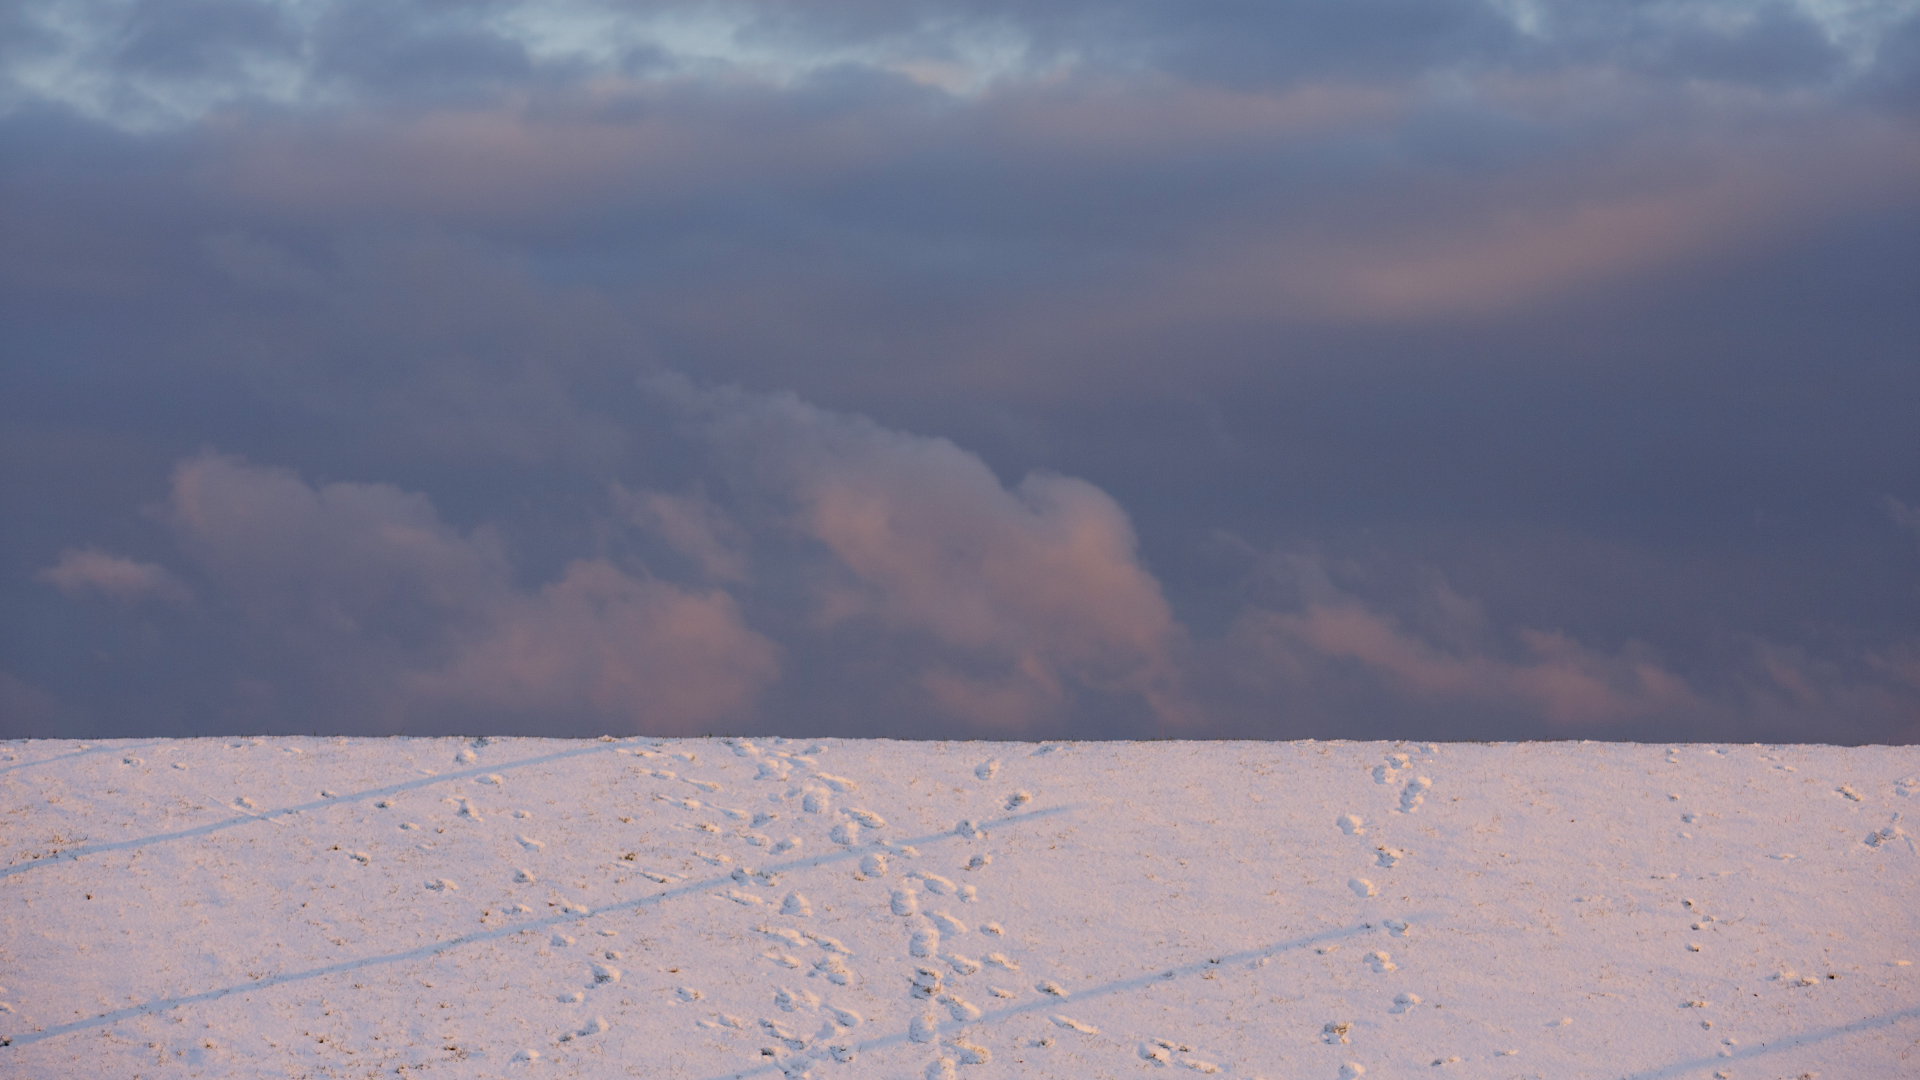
<point>979,862</point>
<point>925,982</point>
<point>748,876</point>
<point>971,1054</point>
<point>905,902</point>
<point>788,1001</point>
<point>936,884</point>
<point>986,769</point>
<point>1336,1033</point>
<point>1388,857</point>
<point>1000,960</point>
<point>926,942</point>
<point>782,1033</point>
<point>1018,799</point>
<point>1849,792</point>
<point>528,842</point>
<point>791,843</point>
<point>785,960</point>
<point>1074,1025</point>
<point>992,928</point>
<point>948,923</point>
<point>1381,962</point>
<point>1352,1070</point>
<point>1399,927</point>
<point>969,830</point>
<point>1002,992</point>
<point>493,778</point>
<point>687,994</point>
<point>1362,887</point>
<point>832,969</point>
<point>560,940</point>
<point>574,998</point>
<point>796,904</point>
<point>1353,825</point>
<point>962,964</point>
<point>941,1068</point>
<point>523,876</point>
<point>845,833</point>
<point>442,885</point>
<point>960,1009</point>
<point>604,973</point>
<point>1414,794</point>
<point>868,819</point>
<point>815,801</point>
<point>1048,986</point>
<point>846,1018</point>
<point>1404,1002</point>
<point>1385,774</point>
<point>830,944</point>
<point>838,783</point>
<point>922,1028</point>
<point>745,898</point>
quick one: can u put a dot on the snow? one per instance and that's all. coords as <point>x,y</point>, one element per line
<point>827,908</point>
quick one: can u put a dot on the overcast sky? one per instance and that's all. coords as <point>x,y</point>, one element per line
<point>1335,369</point>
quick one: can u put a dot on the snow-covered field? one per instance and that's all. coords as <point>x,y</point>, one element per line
<point>720,908</point>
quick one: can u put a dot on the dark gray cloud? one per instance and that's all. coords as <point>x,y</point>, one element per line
<point>1435,369</point>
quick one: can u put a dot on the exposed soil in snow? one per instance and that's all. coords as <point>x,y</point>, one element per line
<point>721,908</point>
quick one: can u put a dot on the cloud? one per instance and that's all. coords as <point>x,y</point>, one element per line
<point>91,572</point>
<point>1030,596</point>
<point>364,591</point>
<point>1333,644</point>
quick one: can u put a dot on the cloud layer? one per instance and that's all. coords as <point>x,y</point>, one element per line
<point>1450,368</point>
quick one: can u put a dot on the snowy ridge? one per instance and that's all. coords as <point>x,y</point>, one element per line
<point>829,908</point>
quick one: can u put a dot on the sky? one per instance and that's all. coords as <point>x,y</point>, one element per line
<point>1378,369</point>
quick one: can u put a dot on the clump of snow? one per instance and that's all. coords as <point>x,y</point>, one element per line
<point>561,906</point>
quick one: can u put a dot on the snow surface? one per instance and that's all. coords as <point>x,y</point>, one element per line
<point>720,908</point>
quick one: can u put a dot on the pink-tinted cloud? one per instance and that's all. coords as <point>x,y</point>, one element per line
<point>1335,637</point>
<point>639,652</point>
<point>424,619</point>
<point>84,572</point>
<point>693,525</point>
<point>1030,594</point>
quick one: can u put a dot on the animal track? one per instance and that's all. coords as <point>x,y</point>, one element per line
<point>905,902</point>
<point>925,942</point>
<point>1018,799</point>
<point>1074,1025</point>
<point>796,904</point>
<point>1414,794</point>
<point>986,769</point>
<point>1381,962</point>
<point>873,864</point>
<point>1000,960</point>
<point>1362,887</point>
<point>1404,1002</point>
<point>1352,825</point>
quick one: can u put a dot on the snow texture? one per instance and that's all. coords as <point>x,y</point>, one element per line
<point>381,907</point>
